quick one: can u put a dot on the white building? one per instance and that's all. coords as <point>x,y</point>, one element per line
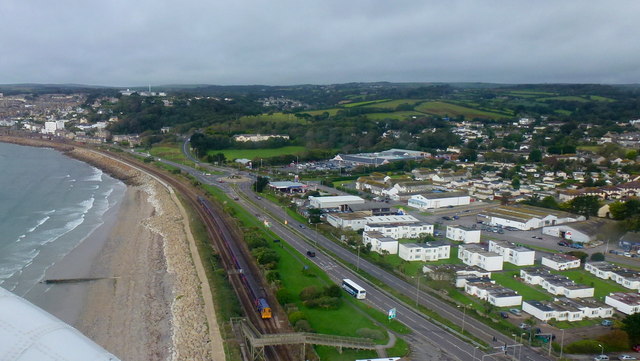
<point>428,252</point>
<point>525,217</point>
<point>53,126</point>
<point>380,243</point>
<point>474,255</point>
<point>354,221</point>
<point>627,303</point>
<point>257,137</point>
<point>556,284</point>
<point>517,255</point>
<point>439,200</point>
<point>560,262</point>
<point>494,294</point>
<point>623,276</point>
<point>464,234</point>
<point>567,309</point>
<point>334,202</point>
<point>400,230</point>
<point>581,232</point>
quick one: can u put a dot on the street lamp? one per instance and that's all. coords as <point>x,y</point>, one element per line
<point>417,289</point>
<point>464,315</point>
<point>602,348</point>
<point>562,343</point>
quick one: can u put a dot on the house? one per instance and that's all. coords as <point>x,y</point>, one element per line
<point>517,255</point>
<point>459,272</point>
<point>560,262</point>
<point>463,233</point>
<point>580,232</point>
<point>627,303</point>
<point>400,230</point>
<point>555,284</point>
<point>474,255</point>
<point>357,220</point>
<point>494,294</point>
<point>565,309</point>
<point>334,202</point>
<point>525,217</point>
<point>433,251</point>
<point>257,137</point>
<point>380,243</point>
<point>439,200</point>
<point>626,277</point>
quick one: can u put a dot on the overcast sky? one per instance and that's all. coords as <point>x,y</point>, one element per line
<point>274,42</point>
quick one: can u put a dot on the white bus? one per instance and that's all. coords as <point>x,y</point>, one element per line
<point>353,289</point>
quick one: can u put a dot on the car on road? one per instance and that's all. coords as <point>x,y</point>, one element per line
<point>601,358</point>
<point>258,198</point>
<point>456,217</point>
<point>576,245</point>
<point>626,357</point>
<point>311,253</point>
<point>536,237</point>
<point>447,218</point>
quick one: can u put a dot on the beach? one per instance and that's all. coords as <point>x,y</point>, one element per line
<point>147,303</point>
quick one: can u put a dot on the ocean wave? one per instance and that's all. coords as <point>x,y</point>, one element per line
<point>40,222</point>
<point>96,176</point>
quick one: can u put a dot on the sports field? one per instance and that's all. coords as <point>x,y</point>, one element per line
<point>231,154</point>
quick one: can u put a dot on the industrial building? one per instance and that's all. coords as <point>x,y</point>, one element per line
<point>439,200</point>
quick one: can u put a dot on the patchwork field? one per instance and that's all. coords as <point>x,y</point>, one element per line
<point>452,110</point>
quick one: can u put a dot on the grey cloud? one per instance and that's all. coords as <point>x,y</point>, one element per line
<point>118,42</point>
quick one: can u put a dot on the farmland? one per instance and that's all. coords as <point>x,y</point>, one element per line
<point>452,110</point>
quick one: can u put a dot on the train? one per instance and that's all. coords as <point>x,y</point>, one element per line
<point>247,279</point>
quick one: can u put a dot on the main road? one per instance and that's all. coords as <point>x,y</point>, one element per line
<point>429,340</point>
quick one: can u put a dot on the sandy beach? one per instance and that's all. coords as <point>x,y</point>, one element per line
<point>149,304</point>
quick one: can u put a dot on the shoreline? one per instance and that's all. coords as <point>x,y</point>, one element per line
<point>154,309</point>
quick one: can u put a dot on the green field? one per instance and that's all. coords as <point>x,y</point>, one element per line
<point>360,104</point>
<point>231,154</point>
<point>395,115</point>
<point>506,279</point>
<point>276,117</point>
<point>569,98</point>
<point>394,103</point>
<point>170,152</point>
<point>452,110</point>
<point>529,92</point>
<point>331,111</point>
<point>602,287</point>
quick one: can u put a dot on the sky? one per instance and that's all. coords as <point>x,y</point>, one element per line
<point>283,42</point>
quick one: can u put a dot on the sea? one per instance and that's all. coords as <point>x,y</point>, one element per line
<point>49,204</point>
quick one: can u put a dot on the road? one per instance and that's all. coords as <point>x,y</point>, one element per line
<point>428,340</point>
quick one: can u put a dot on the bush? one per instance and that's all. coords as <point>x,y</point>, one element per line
<point>303,326</point>
<point>324,302</point>
<point>272,276</point>
<point>597,257</point>
<point>296,316</point>
<point>310,293</point>
<point>333,291</point>
<point>284,296</point>
<point>369,333</point>
<point>616,340</point>
<point>583,346</point>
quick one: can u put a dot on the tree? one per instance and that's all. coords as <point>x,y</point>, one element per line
<point>515,183</point>
<point>585,205</point>
<point>261,183</point>
<point>631,324</point>
<point>535,155</point>
<point>597,257</point>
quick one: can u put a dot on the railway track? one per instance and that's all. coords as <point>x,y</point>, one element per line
<point>232,251</point>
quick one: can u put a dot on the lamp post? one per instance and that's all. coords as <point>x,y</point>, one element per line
<point>562,343</point>
<point>418,290</point>
<point>602,348</point>
<point>464,315</point>
<point>520,354</point>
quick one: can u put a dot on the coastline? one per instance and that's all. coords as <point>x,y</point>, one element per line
<point>152,308</point>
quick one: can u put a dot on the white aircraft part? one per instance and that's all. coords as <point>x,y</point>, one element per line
<point>28,333</point>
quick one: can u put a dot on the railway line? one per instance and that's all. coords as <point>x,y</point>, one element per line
<point>242,272</point>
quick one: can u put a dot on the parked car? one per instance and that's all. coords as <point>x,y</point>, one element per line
<point>601,358</point>
<point>563,244</point>
<point>524,326</point>
<point>636,348</point>
<point>504,315</point>
<point>515,311</point>
<point>606,323</point>
<point>456,217</point>
<point>447,218</point>
<point>626,357</point>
